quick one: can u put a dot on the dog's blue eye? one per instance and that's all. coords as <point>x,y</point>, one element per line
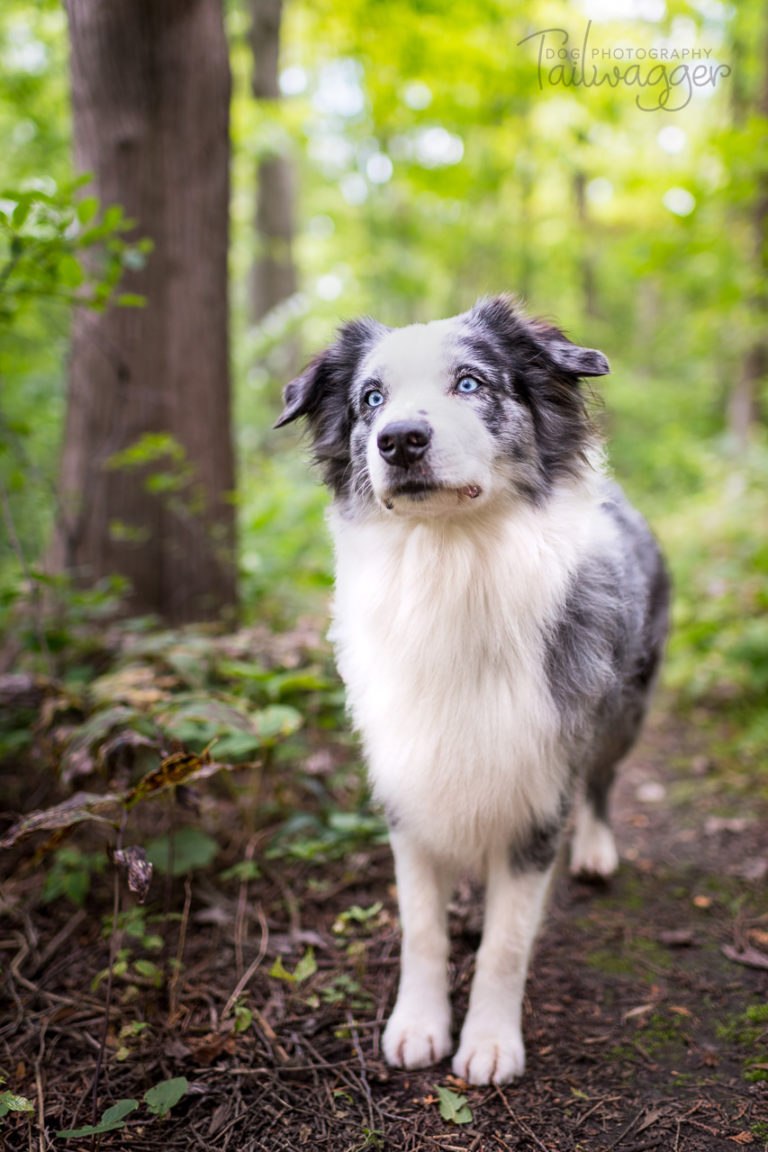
<point>374,398</point>
<point>467,384</point>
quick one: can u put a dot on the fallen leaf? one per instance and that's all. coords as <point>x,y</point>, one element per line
<point>82,806</point>
<point>453,1107</point>
<point>138,869</point>
<point>677,938</point>
<point>749,957</point>
<point>640,1010</point>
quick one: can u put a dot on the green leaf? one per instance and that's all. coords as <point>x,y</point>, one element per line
<point>111,1121</point>
<point>150,970</point>
<point>183,851</point>
<point>10,1102</point>
<point>276,721</point>
<point>453,1107</point>
<point>21,211</point>
<point>165,1095</point>
<point>70,272</point>
<point>237,746</point>
<point>280,972</point>
<point>86,209</point>
<point>131,300</point>
<point>243,1018</point>
<point>305,968</point>
<point>243,871</point>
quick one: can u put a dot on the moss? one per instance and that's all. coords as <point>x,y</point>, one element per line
<point>611,963</point>
<point>640,958</point>
<point>664,1035</point>
<point>748,1031</point>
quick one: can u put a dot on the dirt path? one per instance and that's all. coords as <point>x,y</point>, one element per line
<point>646,1016</point>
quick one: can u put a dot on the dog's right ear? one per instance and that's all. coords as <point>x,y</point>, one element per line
<point>302,395</point>
<point>330,374</point>
<point>322,394</point>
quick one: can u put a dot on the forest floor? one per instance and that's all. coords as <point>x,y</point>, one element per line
<point>646,1015</point>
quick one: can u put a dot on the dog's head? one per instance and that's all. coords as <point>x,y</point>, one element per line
<point>440,417</point>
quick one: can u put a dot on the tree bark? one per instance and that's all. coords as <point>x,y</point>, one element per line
<point>150,93</point>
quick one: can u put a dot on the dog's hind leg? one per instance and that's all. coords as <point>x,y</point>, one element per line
<point>419,1029</point>
<point>593,848</point>
<point>491,1049</point>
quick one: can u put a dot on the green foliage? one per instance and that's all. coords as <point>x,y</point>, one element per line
<point>112,1120</point>
<point>44,238</point>
<point>183,851</point>
<point>12,1102</point>
<point>719,648</point>
<point>159,1100</point>
<point>355,917</point>
<point>166,1095</point>
<point>56,251</point>
<point>70,873</point>
<point>331,836</point>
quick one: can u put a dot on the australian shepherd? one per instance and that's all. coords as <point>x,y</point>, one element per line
<point>499,618</point>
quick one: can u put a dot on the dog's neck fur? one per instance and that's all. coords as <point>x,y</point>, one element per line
<point>469,599</point>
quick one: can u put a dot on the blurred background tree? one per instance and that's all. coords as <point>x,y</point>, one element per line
<point>147,474</point>
<point>409,158</point>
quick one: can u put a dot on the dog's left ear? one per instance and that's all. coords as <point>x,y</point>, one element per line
<point>505,315</point>
<point>566,356</point>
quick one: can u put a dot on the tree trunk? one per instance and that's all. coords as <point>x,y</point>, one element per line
<point>586,242</point>
<point>273,277</point>
<point>150,91</point>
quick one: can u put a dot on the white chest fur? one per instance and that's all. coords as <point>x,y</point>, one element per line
<point>439,627</point>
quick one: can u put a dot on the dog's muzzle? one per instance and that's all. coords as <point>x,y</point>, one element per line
<point>404,442</point>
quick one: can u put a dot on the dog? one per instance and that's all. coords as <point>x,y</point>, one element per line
<point>499,618</point>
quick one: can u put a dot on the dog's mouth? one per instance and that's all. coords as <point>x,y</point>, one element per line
<point>419,490</point>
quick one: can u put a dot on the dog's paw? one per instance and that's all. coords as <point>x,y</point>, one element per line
<point>489,1056</point>
<point>415,1038</point>
<point>593,851</point>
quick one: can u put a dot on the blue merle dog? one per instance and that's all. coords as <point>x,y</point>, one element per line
<point>499,617</point>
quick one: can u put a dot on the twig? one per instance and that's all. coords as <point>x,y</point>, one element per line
<point>54,946</point>
<point>176,976</point>
<point>245,978</point>
<point>291,901</point>
<point>526,1128</point>
<point>600,1104</point>
<point>363,1069</point>
<point>242,908</point>
<point>39,1087</point>
<point>626,1131</point>
<point>113,942</point>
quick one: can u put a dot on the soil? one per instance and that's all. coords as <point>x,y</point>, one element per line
<point>645,1015</point>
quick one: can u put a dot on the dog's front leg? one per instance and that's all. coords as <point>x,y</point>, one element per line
<point>491,1048</point>
<point>419,1029</point>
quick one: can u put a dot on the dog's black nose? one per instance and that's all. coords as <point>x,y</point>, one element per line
<point>404,442</point>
